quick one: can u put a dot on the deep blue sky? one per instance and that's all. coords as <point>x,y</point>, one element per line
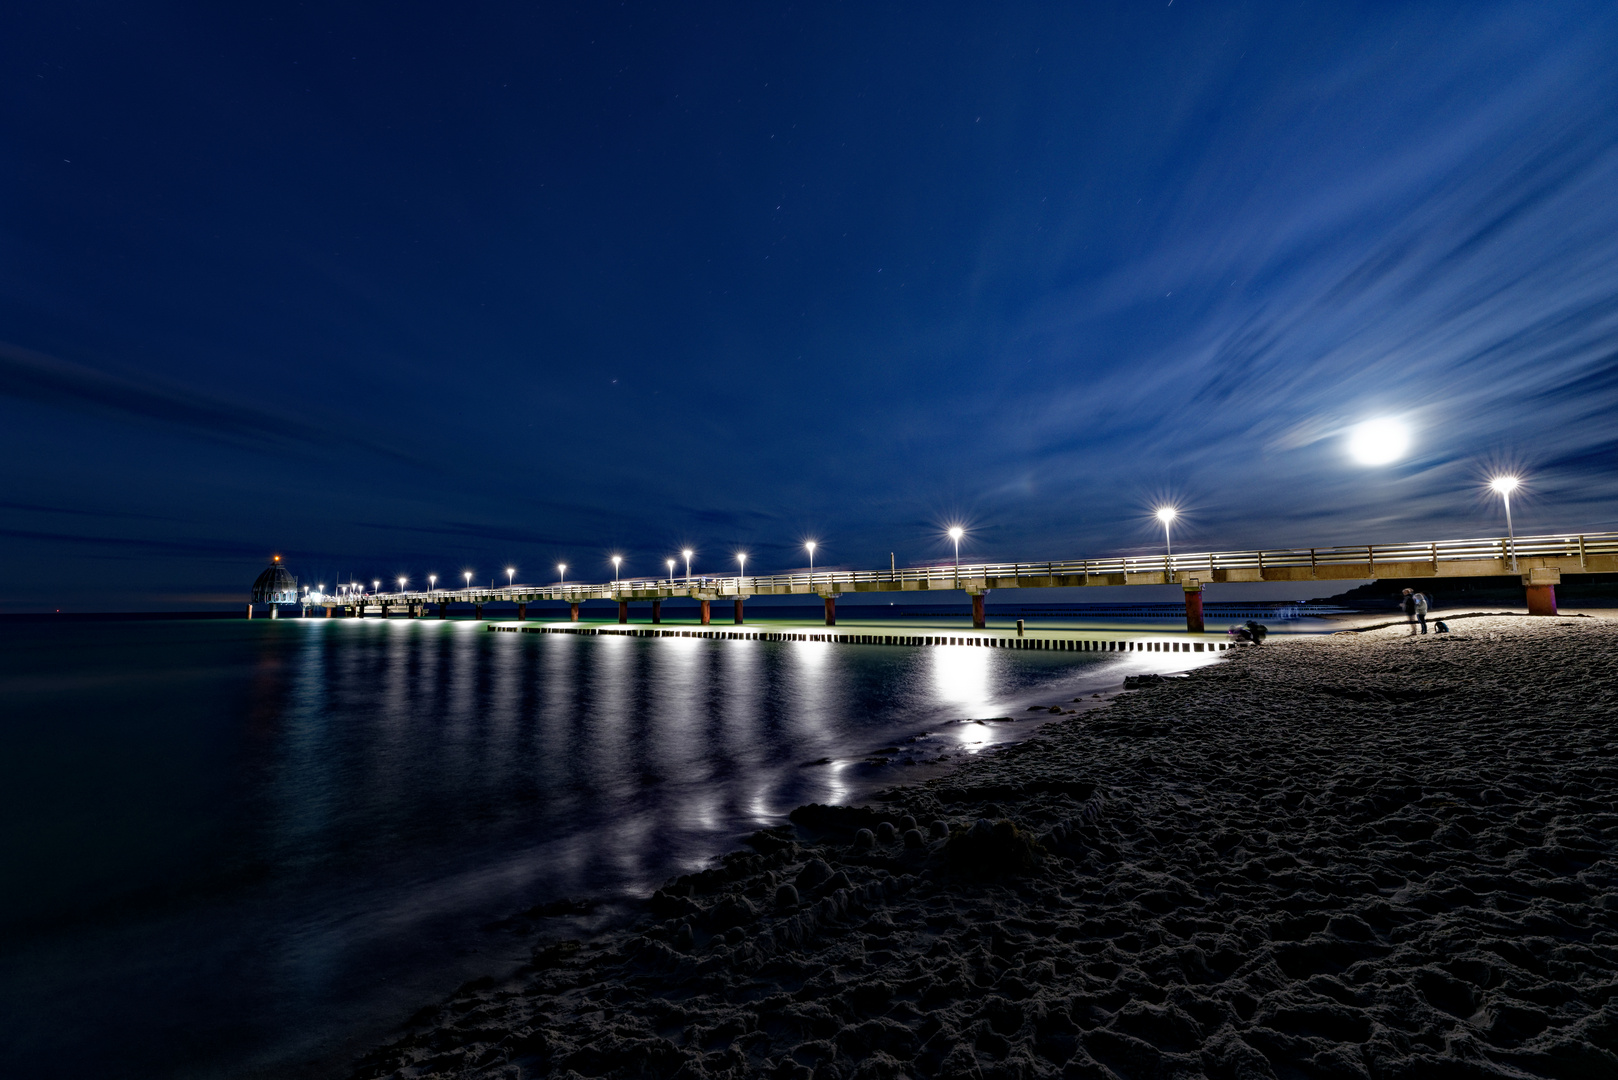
<point>403,288</point>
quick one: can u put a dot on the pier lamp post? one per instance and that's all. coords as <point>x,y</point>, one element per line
<point>468,576</point>
<point>432,581</point>
<point>741,563</point>
<point>811,546</point>
<point>616,561</point>
<point>1167,514</point>
<point>687,553</point>
<point>955,534</point>
<point>561,573</point>
<point>1504,486</point>
<point>401,585</point>
<point>511,575</point>
<point>671,570</point>
<point>376,586</point>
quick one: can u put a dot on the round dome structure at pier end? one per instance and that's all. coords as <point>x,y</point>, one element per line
<point>275,585</point>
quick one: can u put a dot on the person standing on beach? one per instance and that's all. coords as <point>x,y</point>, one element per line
<point>1415,605</point>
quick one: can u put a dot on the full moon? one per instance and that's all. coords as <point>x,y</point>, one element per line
<point>1377,442</point>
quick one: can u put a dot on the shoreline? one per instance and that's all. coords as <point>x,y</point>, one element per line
<point>1360,853</point>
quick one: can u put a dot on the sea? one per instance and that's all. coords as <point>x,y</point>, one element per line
<point>235,848</point>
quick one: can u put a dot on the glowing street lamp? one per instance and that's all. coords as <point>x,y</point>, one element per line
<point>741,563</point>
<point>671,570</point>
<point>376,586</point>
<point>511,575</point>
<point>955,534</point>
<point>401,585</point>
<point>617,560</point>
<point>687,553</point>
<point>811,546</point>
<point>561,573</point>
<point>1167,514</point>
<point>468,577</point>
<point>1503,486</point>
<point>432,582</point>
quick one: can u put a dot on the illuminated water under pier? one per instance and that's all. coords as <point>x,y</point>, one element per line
<point>1540,561</point>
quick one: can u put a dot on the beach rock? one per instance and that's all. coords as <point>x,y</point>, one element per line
<point>814,874</point>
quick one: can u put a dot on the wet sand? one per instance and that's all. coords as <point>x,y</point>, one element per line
<point>1363,854</point>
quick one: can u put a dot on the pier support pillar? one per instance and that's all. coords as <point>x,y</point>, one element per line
<point>443,609</point>
<point>573,610</point>
<point>249,611</point>
<point>623,611</point>
<point>979,622</point>
<point>707,613</point>
<point>274,611</point>
<point>415,611</point>
<point>1193,605</point>
<point>738,612</point>
<point>1540,583</point>
<point>328,611</point>
<point>477,612</point>
<point>657,611</point>
<point>522,612</point>
<point>831,610</point>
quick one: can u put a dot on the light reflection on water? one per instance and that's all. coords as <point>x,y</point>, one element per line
<point>328,810</point>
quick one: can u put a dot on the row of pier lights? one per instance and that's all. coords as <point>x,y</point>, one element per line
<point>1503,486</point>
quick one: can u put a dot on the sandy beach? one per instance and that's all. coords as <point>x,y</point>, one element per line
<point>1359,855</point>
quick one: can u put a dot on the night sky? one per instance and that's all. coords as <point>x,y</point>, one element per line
<point>398,289</point>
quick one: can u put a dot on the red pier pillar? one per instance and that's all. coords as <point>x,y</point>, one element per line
<point>249,611</point>
<point>623,611</point>
<point>738,612</point>
<point>1540,583</point>
<point>573,610</point>
<point>522,612</point>
<point>831,611</point>
<point>707,614</point>
<point>1193,607</point>
<point>657,611</point>
<point>978,620</point>
<point>477,611</point>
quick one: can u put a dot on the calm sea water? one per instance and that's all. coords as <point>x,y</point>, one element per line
<point>251,848</point>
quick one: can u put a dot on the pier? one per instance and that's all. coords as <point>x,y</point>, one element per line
<point>1539,561</point>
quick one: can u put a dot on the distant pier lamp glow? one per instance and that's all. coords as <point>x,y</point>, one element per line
<point>511,575</point>
<point>1503,486</point>
<point>1167,514</point>
<point>741,563</point>
<point>376,586</point>
<point>671,569</point>
<point>955,534</point>
<point>468,576</point>
<point>1378,442</point>
<point>687,553</point>
<point>617,560</point>
<point>561,573</point>
<point>432,580</point>
<point>401,584</point>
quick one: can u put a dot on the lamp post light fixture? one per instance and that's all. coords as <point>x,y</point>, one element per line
<point>687,553</point>
<point>401,585</point>
<point>811,546</point>
<point>955,534</point>
<point>432,581</point>
<point>671,570</point>
<point>561,573</point>
<point>468,576</point>
<point>616,561</point>
<point>376,586</point>
<point>1167,514</point>
<point>1503,486</point>
<point>741,564</point>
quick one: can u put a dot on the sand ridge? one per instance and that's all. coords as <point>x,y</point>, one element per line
<point>1362,855</point>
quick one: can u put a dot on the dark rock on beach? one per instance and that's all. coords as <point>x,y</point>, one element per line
<point>1360,856</point>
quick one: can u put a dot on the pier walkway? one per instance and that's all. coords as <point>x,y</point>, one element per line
<point>1540,561</point>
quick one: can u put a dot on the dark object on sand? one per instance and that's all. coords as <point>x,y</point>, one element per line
<point>1442,627</point>
<point>991,849</point>
<point>1251,632</point>
<point>1135,682</point>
